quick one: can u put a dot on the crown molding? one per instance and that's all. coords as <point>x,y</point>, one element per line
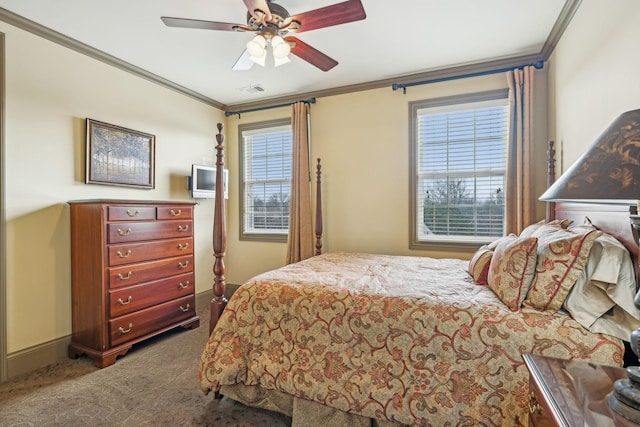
<point>73,44</point>
<point>566,14</point>
<point>568,11</point>
<point>432,76</point>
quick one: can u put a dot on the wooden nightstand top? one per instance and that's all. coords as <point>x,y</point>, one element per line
<point>572,392</point>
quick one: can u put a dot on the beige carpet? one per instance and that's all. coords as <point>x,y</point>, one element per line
<point>155,384</point>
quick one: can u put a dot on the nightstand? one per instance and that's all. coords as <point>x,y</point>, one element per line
<point>571,393</point>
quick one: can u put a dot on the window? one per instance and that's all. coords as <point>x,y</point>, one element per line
<point>458,161</point>
<point>266,156</point>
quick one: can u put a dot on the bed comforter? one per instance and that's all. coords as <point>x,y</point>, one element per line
<point>407,339</point>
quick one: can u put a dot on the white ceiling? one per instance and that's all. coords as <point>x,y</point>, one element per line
<point>398,38</point>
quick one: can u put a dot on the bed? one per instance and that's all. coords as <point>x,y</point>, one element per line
<point>361,339</point>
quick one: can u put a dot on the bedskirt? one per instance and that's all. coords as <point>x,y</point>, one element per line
<point>303,412</point>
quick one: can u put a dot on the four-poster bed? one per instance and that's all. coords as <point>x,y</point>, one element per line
<point>340,339</point>
<point>219,301</point>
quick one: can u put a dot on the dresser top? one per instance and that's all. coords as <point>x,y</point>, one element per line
<point>576,391</point>
<point>132,202</point>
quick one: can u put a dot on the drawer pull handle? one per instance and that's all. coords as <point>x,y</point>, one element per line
<point>123,277</point>
<point>181,265</point>
<point>175,213</point>
<point>184,310</point>
<point>534,406</point>
<point>121,302</point>
<point>183,228</point>
<point>182,247</point>
<point>124,233</point>
<point>125,331</point>
<point>124,255</point>
<point>184,285</point>
<point>134,213</point>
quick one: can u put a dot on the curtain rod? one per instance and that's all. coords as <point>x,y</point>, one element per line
<point>230,113</point>
<point>538,65</point>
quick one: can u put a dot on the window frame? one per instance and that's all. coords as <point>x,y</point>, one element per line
<point>449,244</point>
<point>253,236</point>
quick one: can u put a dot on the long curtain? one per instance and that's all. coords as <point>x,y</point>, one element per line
<point>300,242</point>
<point>519,192</point>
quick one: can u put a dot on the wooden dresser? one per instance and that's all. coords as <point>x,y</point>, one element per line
<point>132,274</point>
<point>571,393</point>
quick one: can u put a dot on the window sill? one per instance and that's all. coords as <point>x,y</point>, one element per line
<point>275,238</point>
<point>449,246</point>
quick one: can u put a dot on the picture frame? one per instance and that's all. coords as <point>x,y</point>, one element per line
<point>119,156</point>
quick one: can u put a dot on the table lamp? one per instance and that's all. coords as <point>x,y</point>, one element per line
<point>609,173</point>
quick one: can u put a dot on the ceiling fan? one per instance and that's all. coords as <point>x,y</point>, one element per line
<point>271,23</point>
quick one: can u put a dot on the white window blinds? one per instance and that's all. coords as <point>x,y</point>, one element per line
<point>266,179</point>
<point>461,154</point>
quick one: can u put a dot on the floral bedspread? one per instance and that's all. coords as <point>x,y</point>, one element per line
<point>408,339</point>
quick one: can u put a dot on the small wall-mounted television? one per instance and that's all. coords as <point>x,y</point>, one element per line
<point>202,182</point>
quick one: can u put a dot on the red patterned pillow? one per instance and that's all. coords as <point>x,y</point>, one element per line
<point>479,265</point>
<point>512,269</point>
<point>562,255</point>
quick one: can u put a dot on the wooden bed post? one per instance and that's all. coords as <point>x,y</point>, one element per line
<point>318,210</point>
<point>551,177</point>
<point>219,301</point>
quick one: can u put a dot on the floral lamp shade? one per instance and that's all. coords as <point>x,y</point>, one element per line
<point>608,172</point>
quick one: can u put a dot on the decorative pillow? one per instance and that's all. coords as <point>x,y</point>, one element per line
<point>566,223</point>
<point>512,269</point>
<point>529,230</point>
<point>611,257</point>
<point>479,265</point>
<point>562,255</point>
<point>495,243</point>
<point>612,252</point>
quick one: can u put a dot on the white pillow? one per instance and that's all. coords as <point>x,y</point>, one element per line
<point>610,262</point>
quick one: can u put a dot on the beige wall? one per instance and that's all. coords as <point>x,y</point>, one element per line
<point>363,140</point>
<point>50,90</point>
<point>361,137</point>
<point>594,74</point>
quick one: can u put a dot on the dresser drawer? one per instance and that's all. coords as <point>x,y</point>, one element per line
<point>175,212</point>
<point>538,412</point>
<point>131,213</point>
<point>127,300</point>
<point>137,252</point>
<point>134,274</point>
<point>139,231</point>
<point>143,322</point>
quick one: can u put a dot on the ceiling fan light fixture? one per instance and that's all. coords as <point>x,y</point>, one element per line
<point>280,61</point>
<point>268,22</point>
<point>260,60</point>
<point>280,48</point>
<point>257,47</point>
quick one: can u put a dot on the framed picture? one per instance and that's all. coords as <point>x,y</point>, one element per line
<point>119,156</point>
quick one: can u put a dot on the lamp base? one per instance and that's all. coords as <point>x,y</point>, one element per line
<point>625,398</point>
<point>631,414</point>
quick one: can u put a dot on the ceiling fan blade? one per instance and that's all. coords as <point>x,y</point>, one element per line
<point>336,14</point>
<point>310,54</point>
<point>203,25</point>
<point>244,62</point>
<point>253,5</point>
